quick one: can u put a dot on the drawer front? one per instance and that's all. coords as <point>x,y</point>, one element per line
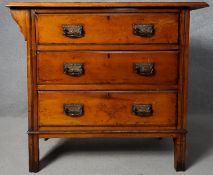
<point>108,68</point>
<point>106,108</point>
<point>107,28</point>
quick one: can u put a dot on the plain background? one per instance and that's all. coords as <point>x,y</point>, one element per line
<point>13,112</point>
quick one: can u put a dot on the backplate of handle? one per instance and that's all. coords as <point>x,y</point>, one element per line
<point>142,109</point>
<point>73,30</point>
<point>74,110</point>
<point>146,69</point>
<point>74,69</point>
<point>144,30</point>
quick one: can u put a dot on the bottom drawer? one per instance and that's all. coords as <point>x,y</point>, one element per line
<point>66,108</point>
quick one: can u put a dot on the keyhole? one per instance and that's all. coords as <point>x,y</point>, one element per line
<point>108,55</point>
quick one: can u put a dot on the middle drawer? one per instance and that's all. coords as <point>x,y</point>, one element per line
<point>107,68</point>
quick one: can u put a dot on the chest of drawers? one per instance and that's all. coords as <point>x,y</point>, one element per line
<point>106,70</point>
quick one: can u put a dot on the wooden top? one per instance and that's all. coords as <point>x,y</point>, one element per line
<point>190,5</point>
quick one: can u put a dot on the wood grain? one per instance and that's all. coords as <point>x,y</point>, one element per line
<point>138,135</point>
<point>33,144</point>
<point>106,87</point>
<point>106,108</point>
<point>190,5</point>
<point>109,86</point>
<point>107,28</point>
<point>108,129</point>
<point>22,19</point>
<point>180,152</point>
<point>107,47</point>
<point>180,140</point>
<point>183,81</point>
<point>107,68</point>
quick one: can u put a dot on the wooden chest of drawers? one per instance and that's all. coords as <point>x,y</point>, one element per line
<point>106,70</point>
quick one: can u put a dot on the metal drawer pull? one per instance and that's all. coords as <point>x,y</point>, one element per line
<point>142,109</point>
<point>73,30</point>
<point>74,69</point>
<point>144,68</point>
<point>145,30</point>
<point>74,110</point>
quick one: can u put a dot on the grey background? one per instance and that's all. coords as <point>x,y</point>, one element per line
<point>132,157</point>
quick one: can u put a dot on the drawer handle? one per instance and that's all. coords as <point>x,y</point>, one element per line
<point>73,31</point>
<point>74,110</point>
<point>144,68</point>
<point>145,30</point>
<point>142,109</point>
<point>74,69</point>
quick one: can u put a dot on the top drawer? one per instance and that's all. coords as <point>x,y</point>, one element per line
<point>107,28</point>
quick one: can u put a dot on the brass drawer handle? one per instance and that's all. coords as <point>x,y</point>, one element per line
<point>73,30</point>
<point>142,109</point>
<point>74,110</point>
<point>144,68</point>
<point>145,30</point>
<point>74,69</point>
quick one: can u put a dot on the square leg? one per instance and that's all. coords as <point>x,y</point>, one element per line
<point>33,141</point>
<point>180,152</point>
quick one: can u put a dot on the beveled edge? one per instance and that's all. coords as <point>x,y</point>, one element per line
<point>190,5</point>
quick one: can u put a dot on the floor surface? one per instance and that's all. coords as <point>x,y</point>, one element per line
<point>105,157</point>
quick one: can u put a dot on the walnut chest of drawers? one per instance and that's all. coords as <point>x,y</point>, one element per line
<point>106,70</point>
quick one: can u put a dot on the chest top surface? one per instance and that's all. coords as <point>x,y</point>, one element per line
<point>190,5</point>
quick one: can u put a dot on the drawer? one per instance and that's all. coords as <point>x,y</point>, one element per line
<point>107,68</point>
<point>107,28</point>
<point>66,108</point>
